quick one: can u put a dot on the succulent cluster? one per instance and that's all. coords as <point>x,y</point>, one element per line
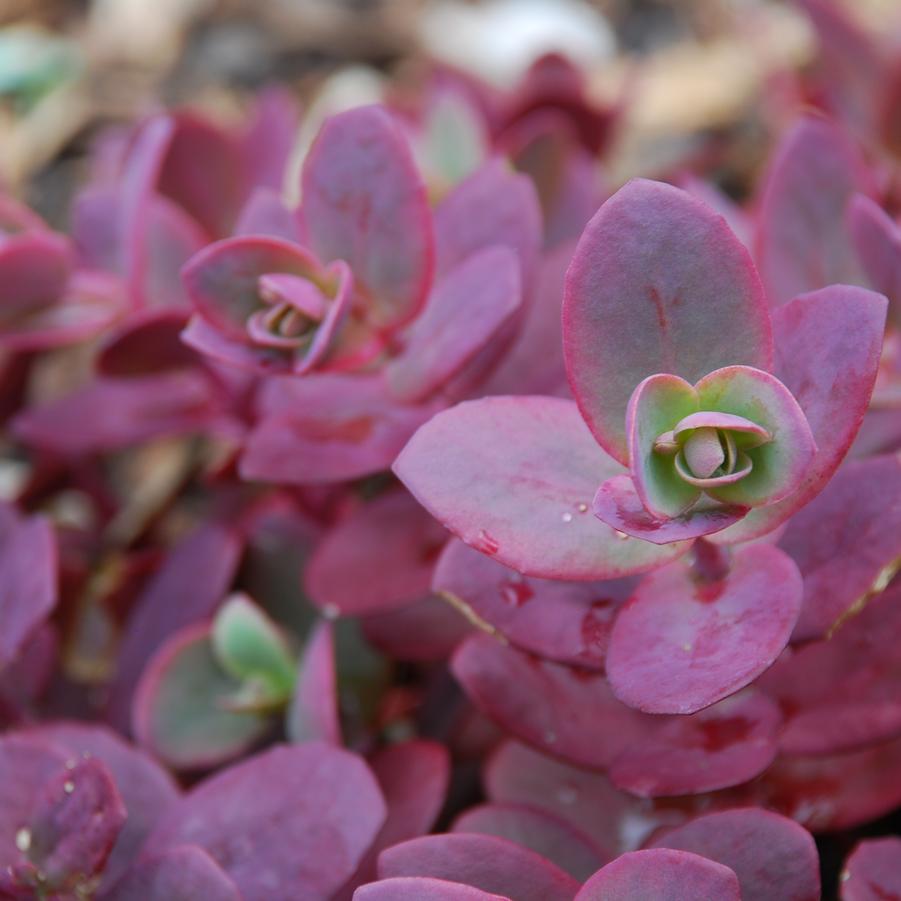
<point>463,491</point>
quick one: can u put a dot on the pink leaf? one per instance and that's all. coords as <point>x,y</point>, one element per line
<point>873,871</point>
<point>314,714</point>
<point>658,284</point>
<point>250,817</point>
<point>680,644</point>
<point>774,858</point>
<point>513,477</point>
<point>421,888</point>
<point>569,622</point>
<point>378,559</point>
<point>184,873</point>
<point>537,830</point>
<point>482,861</point>
<point>663,875</point>
<point>468,308</point>
<point>803,242</point>
<point>566,712</point>
<point>364,203</point>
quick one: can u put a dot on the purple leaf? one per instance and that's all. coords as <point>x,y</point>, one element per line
<point>663,875</point>
<point>421,888</point>
<point>658,284</point>
<point>569,622</point>
<point>873,871</point>
<point>327,428</point>
<point>774,858</point>
<point>74,824</point>
<point>542,832</point>
<point>183,709</point>
<point>203,172</point>
<point>844,693</point>
<point>680,644</point>
<point>482,861</point>
<point>314,711</point>
<point>191,582</point>
<point>380,558</point>
<point>28,579</point>
<point>266,214</point>
<point>146,343</point>
<point>493,206</point>
<point>291,821</point>
<point>468,308</point>
<point>35,267</point>
<point>877,240</point>
<point>146,788</point>
<point>364,203</point>
<point>413,777</point>
<point>426,630</point>
<point>828,345</point>
<point>110,414</point>
<point>184,873</point>
<point>513,477</point>
<point>566,712</point>
<point>846,542</point>
<point>803,242</point>
<point>725,745</point>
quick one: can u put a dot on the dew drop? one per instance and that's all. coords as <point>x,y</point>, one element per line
<point>621,535</point>
<point>331,611</point>
<point>68,787</point>
<point>582,507</point>
<point>71,763</point>
<point>23,839</point>
<point>486,543</point>
<point>567,517</point>
<point>686,647</point>
<point>515,592</point>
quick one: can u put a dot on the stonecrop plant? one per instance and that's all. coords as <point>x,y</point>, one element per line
<point>398,504</point>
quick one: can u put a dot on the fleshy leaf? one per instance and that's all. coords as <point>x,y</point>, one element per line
<point>774,858</point>
<point>513,477</point>
<point>421,888</point>
<point>779,465</point>
<point>537,830</point>
<point>75,823</point>
<point>222,280</point>
<point>873,871</point>
<point>828,345</point>
<point>147,343</point>
<point>726,744</point>
<point>466,310</point>
<point>314,711</point>
<point>34,267</point>
<point>249,816</point>
<point>146,788</point>
<point>184,706</point>
<point>656,406</point>
<point>184,873</point>
<point>188,586</point>
<point>560,710</point>
<point>846,542</point>
<point>380,558</point>
<point>413,776</point>
<point>364,203</point>
<point>482,861</point>
<point>494,206</point>
<point>658,284</point>
<point>803,241</point>
<point>28,579</point>
<point>250,647</point>
<point>618,505</point>
<point>681,644</point>
<point>877,240</point>
<point>568,622</point>
<point>327,428</point>
<point>663,875</point>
